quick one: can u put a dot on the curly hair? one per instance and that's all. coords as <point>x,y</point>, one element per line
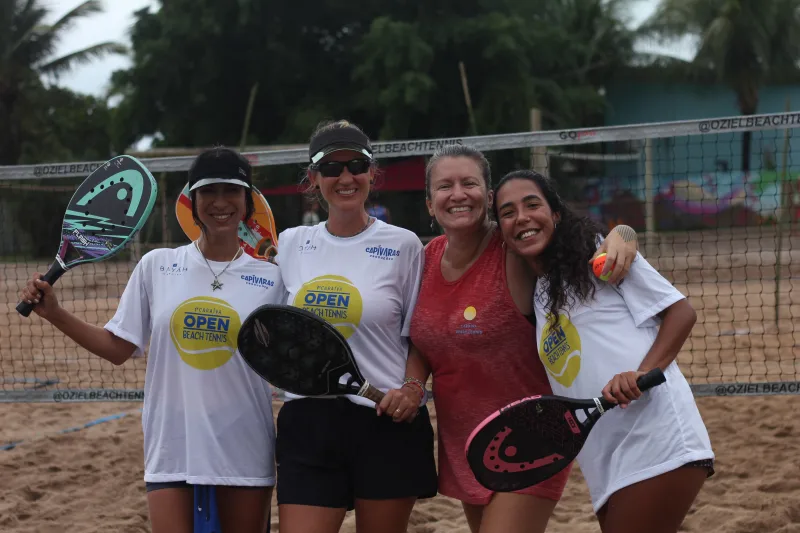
<point>565,261</point>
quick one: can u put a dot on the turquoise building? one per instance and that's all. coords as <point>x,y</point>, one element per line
<point>698,180</point>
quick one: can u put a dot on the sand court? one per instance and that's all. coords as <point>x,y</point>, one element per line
<point>90,480</point>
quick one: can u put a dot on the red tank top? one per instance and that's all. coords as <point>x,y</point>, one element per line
<point>482,351</point>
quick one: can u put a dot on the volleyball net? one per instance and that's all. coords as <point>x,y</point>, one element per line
<point>727,237</point>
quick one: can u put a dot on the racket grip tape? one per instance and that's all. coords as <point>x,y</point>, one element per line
<point>651,379</point>
<point>376,395</point>
<point>51,276</point>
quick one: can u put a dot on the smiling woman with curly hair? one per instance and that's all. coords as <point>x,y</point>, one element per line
<point>646,462</point>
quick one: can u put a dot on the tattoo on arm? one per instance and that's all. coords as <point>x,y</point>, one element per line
<point>627,233</point>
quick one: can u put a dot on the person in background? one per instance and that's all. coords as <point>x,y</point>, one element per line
<point>311,214</point>
<point>380,212</point>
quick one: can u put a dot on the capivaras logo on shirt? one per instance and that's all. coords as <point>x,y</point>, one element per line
<point>204,330</point>
<point>333,298</point>
<point>381,252</point>
<point>257,281</point>
<point>560,349</point>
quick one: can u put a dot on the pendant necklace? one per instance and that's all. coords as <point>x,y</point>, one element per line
<point>216,284</point>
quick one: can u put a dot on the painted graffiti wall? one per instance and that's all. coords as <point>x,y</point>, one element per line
<point>697,180</point>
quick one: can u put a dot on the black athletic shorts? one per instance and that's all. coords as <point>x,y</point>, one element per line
<point>331,451</point>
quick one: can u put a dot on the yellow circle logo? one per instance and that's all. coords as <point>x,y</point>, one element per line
<point>560,350</point>
<point>470,313</point>
<point>204,331</point>
<point>333,298</point>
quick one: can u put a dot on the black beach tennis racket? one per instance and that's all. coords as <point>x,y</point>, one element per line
<point>105,213</point>
<point>533,439</point>
<point>299,352</point>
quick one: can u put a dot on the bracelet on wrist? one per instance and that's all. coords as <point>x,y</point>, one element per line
<point>416,387</point>
<point>419,383</point>
<point>412,382</point>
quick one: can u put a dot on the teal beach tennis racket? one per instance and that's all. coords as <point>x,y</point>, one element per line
<point>105,213</point>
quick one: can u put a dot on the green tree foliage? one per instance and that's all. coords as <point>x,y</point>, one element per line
<point>743,42</point>
<point>27,46</point>
<point>389,66</point>
<point>59,125</point>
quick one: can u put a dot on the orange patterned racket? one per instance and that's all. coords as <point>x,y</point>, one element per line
<point>259,237</point>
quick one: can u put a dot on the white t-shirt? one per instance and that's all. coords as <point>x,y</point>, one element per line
<point>608,335</point>
<point>207,416</point>
<point>365,285</point>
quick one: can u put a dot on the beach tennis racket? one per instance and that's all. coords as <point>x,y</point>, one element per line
<point>103,215</point>
<point>533,439</point>
<point>258,236</point>
<point>301,353</point>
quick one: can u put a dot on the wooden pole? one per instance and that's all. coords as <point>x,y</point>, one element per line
<point>782,210</point>
<point>539,161</point>
<point>649,194</point>
<point>465,86</point>
<point>163,193</point>
<point>248,113</point>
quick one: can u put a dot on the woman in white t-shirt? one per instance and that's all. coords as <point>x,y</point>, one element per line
<point>362,275</point>
<point>646,461</point>
<point>207,418</point>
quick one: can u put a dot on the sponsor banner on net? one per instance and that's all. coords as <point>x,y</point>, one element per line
<point>421,147</point>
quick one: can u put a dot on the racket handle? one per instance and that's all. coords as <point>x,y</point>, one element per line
<point>52,275</point>
<point>373,394</point>
<point>651,379</point>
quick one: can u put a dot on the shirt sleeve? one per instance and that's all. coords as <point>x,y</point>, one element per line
<point>411,288</point>
<point>132,318</point>
<point>646,292</point>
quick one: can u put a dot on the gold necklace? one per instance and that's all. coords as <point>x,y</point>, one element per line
<point>216,284</point>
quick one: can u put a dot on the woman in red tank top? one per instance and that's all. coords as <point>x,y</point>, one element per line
<point>472,329</point>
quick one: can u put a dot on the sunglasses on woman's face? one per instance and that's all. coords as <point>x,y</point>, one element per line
<point>333,169</point>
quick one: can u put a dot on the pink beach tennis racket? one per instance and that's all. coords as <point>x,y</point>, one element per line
<point>533,439</point>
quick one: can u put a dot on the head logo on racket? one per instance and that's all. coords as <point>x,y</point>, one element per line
<point>128,182</point>
<point>261,333</point>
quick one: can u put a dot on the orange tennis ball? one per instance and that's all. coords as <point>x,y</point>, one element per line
<point>597,267</point>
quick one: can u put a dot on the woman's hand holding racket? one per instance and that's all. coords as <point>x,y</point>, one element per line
<point>401,404</point>
<point>622,388</point>
<point>41,294</point>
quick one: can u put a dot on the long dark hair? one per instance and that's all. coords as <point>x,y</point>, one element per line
<point>565,260</point>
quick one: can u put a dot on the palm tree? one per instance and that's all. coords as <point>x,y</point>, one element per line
<point>27,46</point>
<point>743,42</point>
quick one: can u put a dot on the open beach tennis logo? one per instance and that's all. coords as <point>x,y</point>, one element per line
<point>333,298</point>
<point>204,331</point>
<point>560,349</point>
